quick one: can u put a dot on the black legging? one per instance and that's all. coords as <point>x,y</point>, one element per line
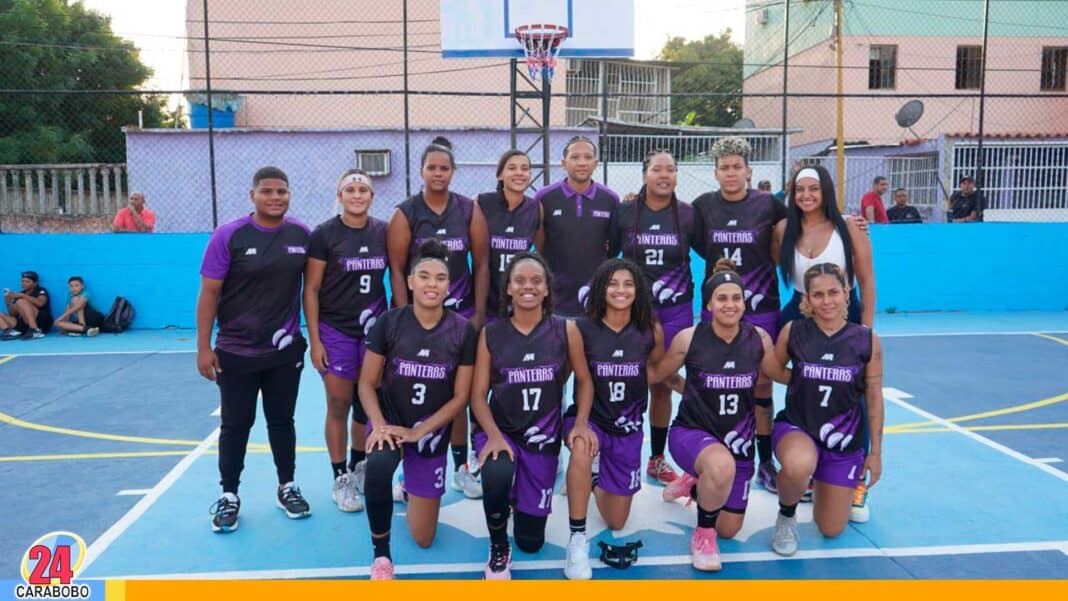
<point>238,389</point>
<point>497,477</point>
<point>378,485</point>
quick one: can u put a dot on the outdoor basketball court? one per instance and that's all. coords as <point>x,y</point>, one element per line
<point>113,439</point>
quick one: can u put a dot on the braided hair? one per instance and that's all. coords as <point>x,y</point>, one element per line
<point>505,303</point>
<point>641,312</point>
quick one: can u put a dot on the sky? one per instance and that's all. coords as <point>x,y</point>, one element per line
<point>156,26</point>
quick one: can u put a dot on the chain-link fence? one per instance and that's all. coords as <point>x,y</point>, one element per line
<point>316,88</point>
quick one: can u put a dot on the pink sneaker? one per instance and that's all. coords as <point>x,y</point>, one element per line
<point>680,488</point>
<point>704,550</point>
<point>382,569</point>
<point>499,566</point>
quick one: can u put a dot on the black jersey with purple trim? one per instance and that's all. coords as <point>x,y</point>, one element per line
<point>353,292</point>
<point>510,232</point>
<point>662,251</point>
<point>420,368</point>
<point>617,366</point>
<point>742,232</point>
<point>720,381</point>
<point>527,382</point>
<point>577,227</point>
<point>452,227</point>
<point>262,270</point>
<point>826,390</point>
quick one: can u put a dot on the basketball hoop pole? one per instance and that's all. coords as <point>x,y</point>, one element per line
<point>541,46</point>
<point>546,98</point>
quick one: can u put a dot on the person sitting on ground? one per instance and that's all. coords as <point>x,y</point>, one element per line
<point>29,313</point>
<point>80,317</point>
<point>135,217</point>
<point>901,212</point>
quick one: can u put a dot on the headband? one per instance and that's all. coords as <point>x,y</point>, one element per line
<point>355,178</point>
<point>717,280</point>
<point>808,172</point>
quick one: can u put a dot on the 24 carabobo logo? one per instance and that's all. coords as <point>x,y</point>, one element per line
<point>49,566</point>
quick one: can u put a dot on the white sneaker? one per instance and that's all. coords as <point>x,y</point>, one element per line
<point>785,539</point>
<point>357,476</point>
<point>91,332</point>
<point>578,558</point>
<point>470,484</point>
<point>345,495</point>
<point>398,491</point>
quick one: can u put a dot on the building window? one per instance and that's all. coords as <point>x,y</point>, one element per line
<point>969,67</point>
<point>882,66</point>
<point>374,162</point>
<point>1054,60</point>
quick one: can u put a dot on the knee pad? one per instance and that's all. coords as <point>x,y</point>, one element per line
<point>529,531</point>
<point>379,477</point>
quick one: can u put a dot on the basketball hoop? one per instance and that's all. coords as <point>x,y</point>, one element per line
<point>541,46</point>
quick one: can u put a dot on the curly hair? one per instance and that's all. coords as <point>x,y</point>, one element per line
<point>641,312</point>
<point>732,146</point>
<point>505,303</point>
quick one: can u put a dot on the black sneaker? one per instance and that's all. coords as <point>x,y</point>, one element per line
<point>292,502</point>
<point>224,513</point>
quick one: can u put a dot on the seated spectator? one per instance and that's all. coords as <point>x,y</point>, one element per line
<point>967,204</point>
<point>901,212</point>
<point>871,204</point>
<point>29,313</point>
<point>80,317</point>
<point>764,185</point>
<point>135,217</point>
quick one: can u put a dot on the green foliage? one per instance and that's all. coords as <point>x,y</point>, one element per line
<point>713,64</point>
<point>54,46</point>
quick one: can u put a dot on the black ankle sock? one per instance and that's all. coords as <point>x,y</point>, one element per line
<point>355,457</point>
<point>705,518</point>
<point>381,545</point>
<point>339,468</point>
<point>459,456</point>
<point>763,447</point>
<point>787,510</point>
<point>659,439</point>
<point>577,525</point>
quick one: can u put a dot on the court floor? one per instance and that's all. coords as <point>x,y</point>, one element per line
<point>113,438</point>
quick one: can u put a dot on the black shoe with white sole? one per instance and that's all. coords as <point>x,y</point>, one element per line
<point>292,502</point>
<point>224,513</point>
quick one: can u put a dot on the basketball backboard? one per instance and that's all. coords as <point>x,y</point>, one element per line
<point>486,28</point>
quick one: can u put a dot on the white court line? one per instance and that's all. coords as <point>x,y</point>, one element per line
<point>111,534</point>
<point>1048,459</point>
<point>979,438</point>
<point>217,412</point>
<point>144,352</point>
<point>929,334</point>
<point>668,560</point>
<point>134,492</point>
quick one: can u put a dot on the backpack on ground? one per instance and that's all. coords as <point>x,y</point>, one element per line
<point>119,318</point>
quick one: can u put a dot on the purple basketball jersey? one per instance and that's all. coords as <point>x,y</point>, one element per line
<point>510,232</point>
<point>659,247</point>
<point>617,366</point>
<point>453,228</point>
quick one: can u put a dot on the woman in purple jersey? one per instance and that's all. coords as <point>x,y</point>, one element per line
<point>620,335</point>
<point>437,212</point>
<point>512,219</point>
<point>416,378</point>
<point>834,405</point>
<point>517,397</point>
<point>344,293</point>
<point>250,283</point>
<point>712,438</point>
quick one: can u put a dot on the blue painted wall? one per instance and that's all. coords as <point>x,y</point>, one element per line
<point>928,267</point>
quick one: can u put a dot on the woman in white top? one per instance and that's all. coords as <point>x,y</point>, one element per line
<point>815,232</point>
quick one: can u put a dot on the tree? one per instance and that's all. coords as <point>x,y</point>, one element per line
<point>53,47</point>
<point>713,64</point>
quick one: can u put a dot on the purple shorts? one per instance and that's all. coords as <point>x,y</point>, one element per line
<point>535,477</point>
<point>620,461</point>
<point>769,322</point>
<point>423,476</point>
<point>674,320</point>
<point>686,444</point>
<point>839,469</point>
<point>343,352</point>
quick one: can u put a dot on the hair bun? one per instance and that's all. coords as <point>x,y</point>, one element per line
<point>433,249</point>
<point>723,264</point>
<point>442,141</point>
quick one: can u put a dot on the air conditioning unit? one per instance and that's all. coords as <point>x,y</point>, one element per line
<point>374,162</point>
<point>762,16</point>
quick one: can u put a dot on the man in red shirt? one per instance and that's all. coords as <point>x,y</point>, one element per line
<point>134,217</point>
<point>871,204</point>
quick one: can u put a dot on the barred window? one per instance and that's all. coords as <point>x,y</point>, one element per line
<point>1054,60</point>
<point>969,67</point>
<point>882,67</point>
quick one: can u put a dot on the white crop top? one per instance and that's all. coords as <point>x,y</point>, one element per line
<point>834,253</point>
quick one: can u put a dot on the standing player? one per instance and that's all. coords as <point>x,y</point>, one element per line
<point>344,294</point>
<point>821,434</point>
<point>619,336</point>
<point>575,226</point>
<point>737,223</point>
<point>517,399</point>
<point>654,231</point>
<point>437,212</point>
<point>423,357</point>
<point>712,437</point>
<point>251,280</point>
<point>512,220</point>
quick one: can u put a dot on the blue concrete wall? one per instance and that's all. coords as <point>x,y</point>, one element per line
<point>928,267</point>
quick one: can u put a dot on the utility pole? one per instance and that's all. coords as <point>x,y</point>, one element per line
<point>840,125</point>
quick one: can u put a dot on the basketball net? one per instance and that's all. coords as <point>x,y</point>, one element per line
<point>541,46</point>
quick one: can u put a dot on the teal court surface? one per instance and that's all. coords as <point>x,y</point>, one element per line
<point>113,439</point>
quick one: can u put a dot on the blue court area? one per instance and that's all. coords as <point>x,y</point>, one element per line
<point>112,438</point>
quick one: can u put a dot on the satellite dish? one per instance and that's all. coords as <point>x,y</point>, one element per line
<point>909,113</point>
<point>744,123</point>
